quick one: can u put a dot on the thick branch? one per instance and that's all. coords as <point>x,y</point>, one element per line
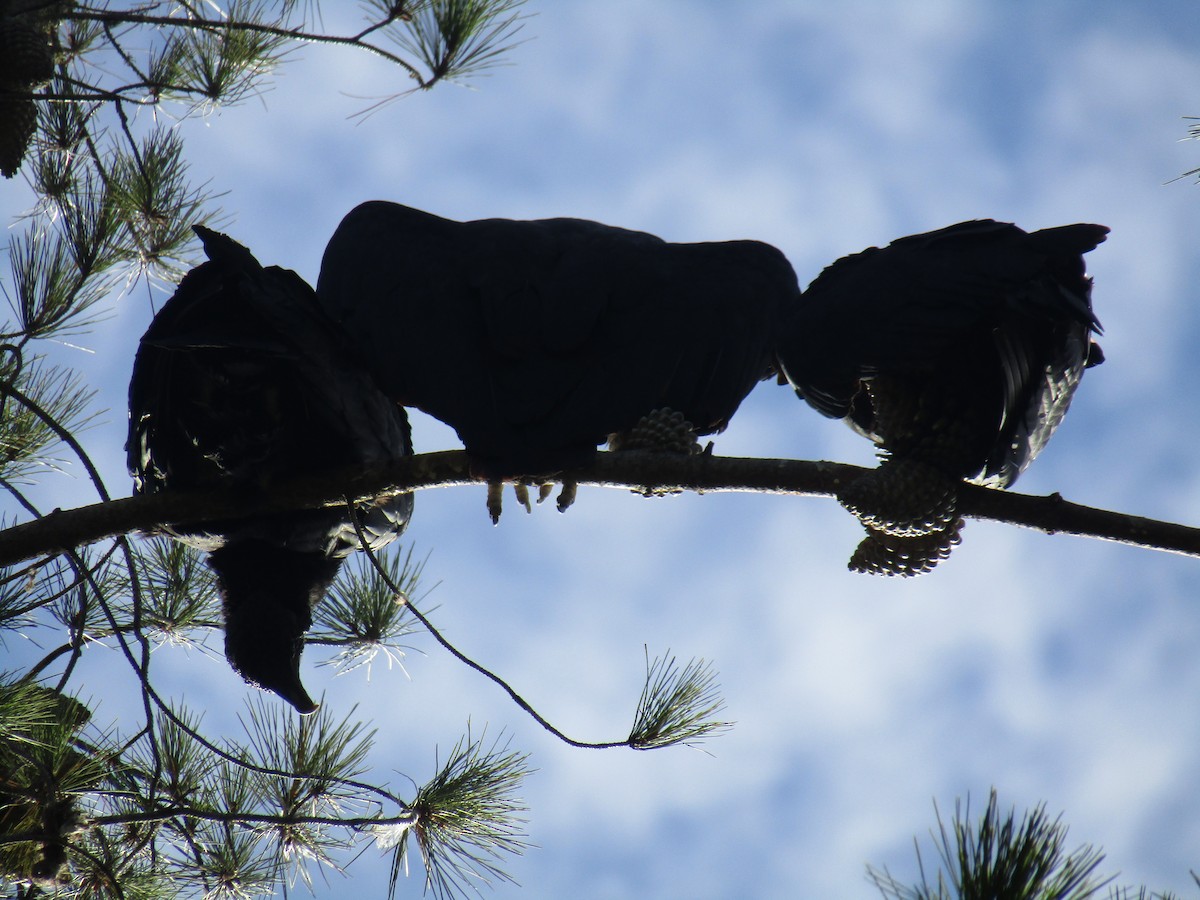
<point>61,529</point>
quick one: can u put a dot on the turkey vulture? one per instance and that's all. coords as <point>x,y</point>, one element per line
<point>957,352</point>
<point>537,340</point>
<point>242,380</point>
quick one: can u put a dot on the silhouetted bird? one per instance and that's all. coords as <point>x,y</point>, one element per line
<point>537,340</point>
<point>241,379</point>
<point>957,352</point>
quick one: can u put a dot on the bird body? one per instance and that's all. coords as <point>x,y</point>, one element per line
<point>241,380</point>
<point>536,340</point>
<point>957,351</point>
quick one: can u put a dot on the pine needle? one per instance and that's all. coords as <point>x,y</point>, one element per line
<point>1001,859</point>
<point>677,707</point>
<point>466,819</point>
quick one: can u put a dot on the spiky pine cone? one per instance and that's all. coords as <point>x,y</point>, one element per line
<point>18,121</point>
<point>662,431</point>
<point>885,554</point>
<point>26,58</point>
<point>902,497</point>
<point>922,422</point>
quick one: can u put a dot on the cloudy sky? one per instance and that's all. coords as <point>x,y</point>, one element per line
<point>1056,669</point>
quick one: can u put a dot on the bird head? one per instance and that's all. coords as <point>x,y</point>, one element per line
<point>262,649</point>
<point>268,595</point>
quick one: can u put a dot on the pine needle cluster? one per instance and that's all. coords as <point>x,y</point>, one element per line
<point>1001,858</point>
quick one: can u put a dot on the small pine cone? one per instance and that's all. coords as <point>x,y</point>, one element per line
<point>18,121</point>
<point>896,404</point>
<point>885,554</point>
<point>949,446</point>
<point>902,497</point>
<point>661,431</point>
<point>26,57</point>
<point>924,421</point>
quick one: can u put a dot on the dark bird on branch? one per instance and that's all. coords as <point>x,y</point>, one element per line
<point>957,352</point>
<point>538,340</point>
<point>241,380</point>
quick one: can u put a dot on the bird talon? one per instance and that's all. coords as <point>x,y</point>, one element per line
<point>521,489</point>
<point>566,497</point>
<point>545,490</point>
<point>495,500</point>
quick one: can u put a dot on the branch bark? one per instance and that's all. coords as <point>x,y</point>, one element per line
<point>64,529</point>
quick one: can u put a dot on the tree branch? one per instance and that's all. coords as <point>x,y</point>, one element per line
<point>124,17</point>
<point>60,530</point>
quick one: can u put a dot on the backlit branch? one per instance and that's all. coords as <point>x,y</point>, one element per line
<point>1052,514</point>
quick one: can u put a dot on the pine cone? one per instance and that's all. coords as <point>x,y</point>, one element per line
<point>26,57</point>
<point>903,498</point>
<point>926,422</point>
<point>18,121</point>
<point>661,430</point>
<point>885,554</point>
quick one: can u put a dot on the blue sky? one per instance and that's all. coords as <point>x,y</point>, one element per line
<point>1056,669</point>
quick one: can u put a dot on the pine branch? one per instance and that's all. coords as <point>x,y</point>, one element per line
<point>1001,859</point>
<point>677,707</point>
<point>452,38</point>
<point>629,470</point>
<point>467,819</point>
<point>367,613</point>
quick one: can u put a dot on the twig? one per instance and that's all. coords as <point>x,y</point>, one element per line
<point>294,34</point>
<point>466,660</point>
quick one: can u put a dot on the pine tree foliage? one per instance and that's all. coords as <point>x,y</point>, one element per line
<point>1001,858</point>
<point>677,706</point>
<point>161,808</point>
<point>465,818</point>
<point>372,608</point>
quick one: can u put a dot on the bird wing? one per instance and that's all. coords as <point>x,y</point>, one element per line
<point>535,339</point>
<point>931,296</point>
<point>241,378</point>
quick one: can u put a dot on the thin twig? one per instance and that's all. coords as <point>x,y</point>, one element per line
<point>63,434</point>
<point>463,658</point>
<point>242,818</point>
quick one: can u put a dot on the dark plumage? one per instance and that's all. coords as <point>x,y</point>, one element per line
<point>242,380</point>
<point>536,340</point>
<point>957,352</point>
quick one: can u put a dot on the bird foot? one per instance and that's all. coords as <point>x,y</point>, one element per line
<point>495,496</point>
<point>495,500</point>
<point>521,489</point>
<point>566,497</point>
